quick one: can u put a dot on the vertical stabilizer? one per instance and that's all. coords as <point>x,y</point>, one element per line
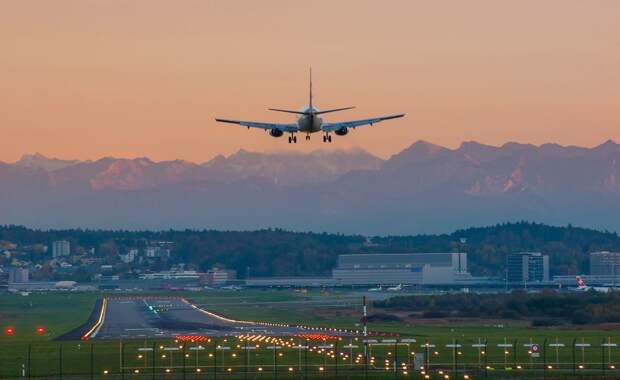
<point>310,103</point>
<point>581,284</point>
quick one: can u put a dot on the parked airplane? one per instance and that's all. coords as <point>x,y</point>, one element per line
<point>377,289</point>
<point>309,122</point>
<point>582,287</point>
<point>396,288</point>
<point>232,287</point>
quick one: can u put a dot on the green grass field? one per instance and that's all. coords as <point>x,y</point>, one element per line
<point>61,312</point>
<point>57,313</point>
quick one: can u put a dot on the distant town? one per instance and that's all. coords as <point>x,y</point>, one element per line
<point>63,265</point>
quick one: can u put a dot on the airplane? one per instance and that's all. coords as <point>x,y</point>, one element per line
<point>396,288</point>
<point>582,287</point>
<point>232,287</point>
<point>377,289</point>
<point>308,122</point>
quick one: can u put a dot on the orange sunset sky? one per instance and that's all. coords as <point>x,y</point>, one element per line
<point>91,78</point>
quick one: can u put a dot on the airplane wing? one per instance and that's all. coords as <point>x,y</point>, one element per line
<point>268,126</point>
<point>330,127</point>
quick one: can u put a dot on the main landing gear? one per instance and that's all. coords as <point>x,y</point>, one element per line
<point>327,138</point>
<point>292,139</point>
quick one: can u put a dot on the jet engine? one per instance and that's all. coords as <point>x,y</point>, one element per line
<point>342,131</point>
<point>276,132</point>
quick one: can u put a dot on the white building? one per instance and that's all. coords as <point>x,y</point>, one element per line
<point>527,267</point>
<point>605,263</point>
<point>130,256</point>
<point>157,252</point>
<point>18,275</point>
<point>216,276</point>
<point>61,248</point>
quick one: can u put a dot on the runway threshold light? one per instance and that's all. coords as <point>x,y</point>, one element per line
<point>8,331</point>
<point>40,330</point>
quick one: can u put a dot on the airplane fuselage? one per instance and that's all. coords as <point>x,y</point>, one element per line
<point>309,123</point>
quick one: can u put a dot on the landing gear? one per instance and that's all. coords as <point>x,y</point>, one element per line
<point>292,139</point>
<point>327,138</point>
<point>307,137</point>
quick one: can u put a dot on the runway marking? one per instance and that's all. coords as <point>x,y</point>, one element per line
<point>95,329</point>
<point>143,329</point>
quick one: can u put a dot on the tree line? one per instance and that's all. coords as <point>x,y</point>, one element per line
<point>542,309</point>
<point>275,252</point>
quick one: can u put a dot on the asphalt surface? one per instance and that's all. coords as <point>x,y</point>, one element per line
<point>134,318</point>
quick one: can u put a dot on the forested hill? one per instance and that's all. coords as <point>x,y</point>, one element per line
<point>487,247</point>
<point>283,253</point>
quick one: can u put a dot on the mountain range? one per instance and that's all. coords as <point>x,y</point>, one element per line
<point>425,188</point>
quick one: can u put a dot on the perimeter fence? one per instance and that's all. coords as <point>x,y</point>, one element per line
<point>255,356</point>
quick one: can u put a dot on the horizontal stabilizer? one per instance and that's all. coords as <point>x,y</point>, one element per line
<point>289,111</point>
<point>311,113</point>
<point>333,110</point>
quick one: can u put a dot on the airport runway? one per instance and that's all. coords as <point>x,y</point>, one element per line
<point>135,318</point>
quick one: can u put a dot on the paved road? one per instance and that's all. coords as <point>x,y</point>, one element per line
<point>133,318</point>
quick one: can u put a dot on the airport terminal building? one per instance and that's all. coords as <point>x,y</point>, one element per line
<point>406,269</point>
<point>605,263</point>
